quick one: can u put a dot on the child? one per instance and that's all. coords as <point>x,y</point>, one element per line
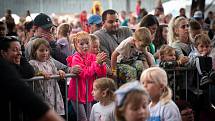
<point>132,102</point>
<point>63,31</point>
<point>94,48</point>
<point>202,45</point>
<point>103,91</point>
<point>44,66</point>
<point>161,107</point>
<point>132,56</point>
<point>92,66</point>
<point>194,29</point>
<point>168,57</point>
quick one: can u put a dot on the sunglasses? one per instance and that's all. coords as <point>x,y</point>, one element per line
<point>184,26</point>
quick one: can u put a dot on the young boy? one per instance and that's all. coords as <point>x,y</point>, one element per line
<point>130,58</point>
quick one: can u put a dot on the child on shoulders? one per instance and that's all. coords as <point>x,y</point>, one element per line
<point>130,58</point>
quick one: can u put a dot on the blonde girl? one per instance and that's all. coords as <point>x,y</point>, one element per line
<point>44,66</point>
<point>161,107</point>
<point>91,66</point>
<point>132,102</point>
<point>103,92</point>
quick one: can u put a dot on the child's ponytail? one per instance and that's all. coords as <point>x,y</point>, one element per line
<point>166,96</point>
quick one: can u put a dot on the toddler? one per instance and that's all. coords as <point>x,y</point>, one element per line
<point>103,92</point>
<point>132,102</point>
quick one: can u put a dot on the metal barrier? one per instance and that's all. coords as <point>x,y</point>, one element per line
<point>175,70</point>
<point>193,74</point>
<point>37,78</point>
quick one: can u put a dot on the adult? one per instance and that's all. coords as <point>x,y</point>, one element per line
<point>182,12</point>
<point>178,36</point>
<point>43,25</point>
<point>209,18</point>
<point>194,29</point>
<point>159,10</point>
<point>3,29</point>
<point>10,50</point>
<point>160,36</point>
<point>111,34</point>
<point>63,31</point>
<point>199,16</point>
<point>14,91</point>
<point>10,22</point>
<point>29,31</point>
<point>95,23</point>
<point>150,21</point>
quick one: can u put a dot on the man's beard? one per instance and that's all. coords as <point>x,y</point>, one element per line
<point>112,31</point>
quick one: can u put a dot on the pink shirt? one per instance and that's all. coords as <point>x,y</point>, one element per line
<point>90,70</point>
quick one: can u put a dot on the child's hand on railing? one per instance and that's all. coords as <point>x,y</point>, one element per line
<point>182,60</point>
<point>47,76</point>
<point>62,74</point>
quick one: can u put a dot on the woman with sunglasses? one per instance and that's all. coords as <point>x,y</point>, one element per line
<point>178,37</point>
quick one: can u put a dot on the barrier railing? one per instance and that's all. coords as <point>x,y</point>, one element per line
<point>181,70</point>
<point>37,78</point>
<point>172,71</point>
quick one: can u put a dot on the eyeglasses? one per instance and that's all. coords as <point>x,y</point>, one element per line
<point>184,26</point>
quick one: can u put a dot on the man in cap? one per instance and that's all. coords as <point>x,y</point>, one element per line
<point>95,23</point>
<point>199,16</point>
<point>43,25</point>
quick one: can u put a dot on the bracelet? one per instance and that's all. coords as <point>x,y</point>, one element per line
<point>113,70</point>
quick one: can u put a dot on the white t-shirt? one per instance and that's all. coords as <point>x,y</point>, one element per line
<point>102,113</point>
<point>164,112</point>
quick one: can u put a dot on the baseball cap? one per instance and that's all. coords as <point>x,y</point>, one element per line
<point>198,15</point>
<point>43,20</point>
<point>125,89</point>
<point>95,19</point>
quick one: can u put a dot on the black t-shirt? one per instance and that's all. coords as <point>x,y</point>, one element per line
<point>14,90</point>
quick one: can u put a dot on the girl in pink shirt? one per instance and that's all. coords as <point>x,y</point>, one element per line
<point>92,66</point>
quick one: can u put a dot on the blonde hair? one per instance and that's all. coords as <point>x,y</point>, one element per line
<point>133,97</point>
<point>202,39</point>
<point>94,39</point>
<point>165,50</point>
<point>80,36</point>
<point>108,85</point>
<point>142,34</point>
<point>159,76</point>
<point>173,24</point>
<point>63,29</point>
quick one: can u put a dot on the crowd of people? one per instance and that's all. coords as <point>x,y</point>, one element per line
<point>119,64</point>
